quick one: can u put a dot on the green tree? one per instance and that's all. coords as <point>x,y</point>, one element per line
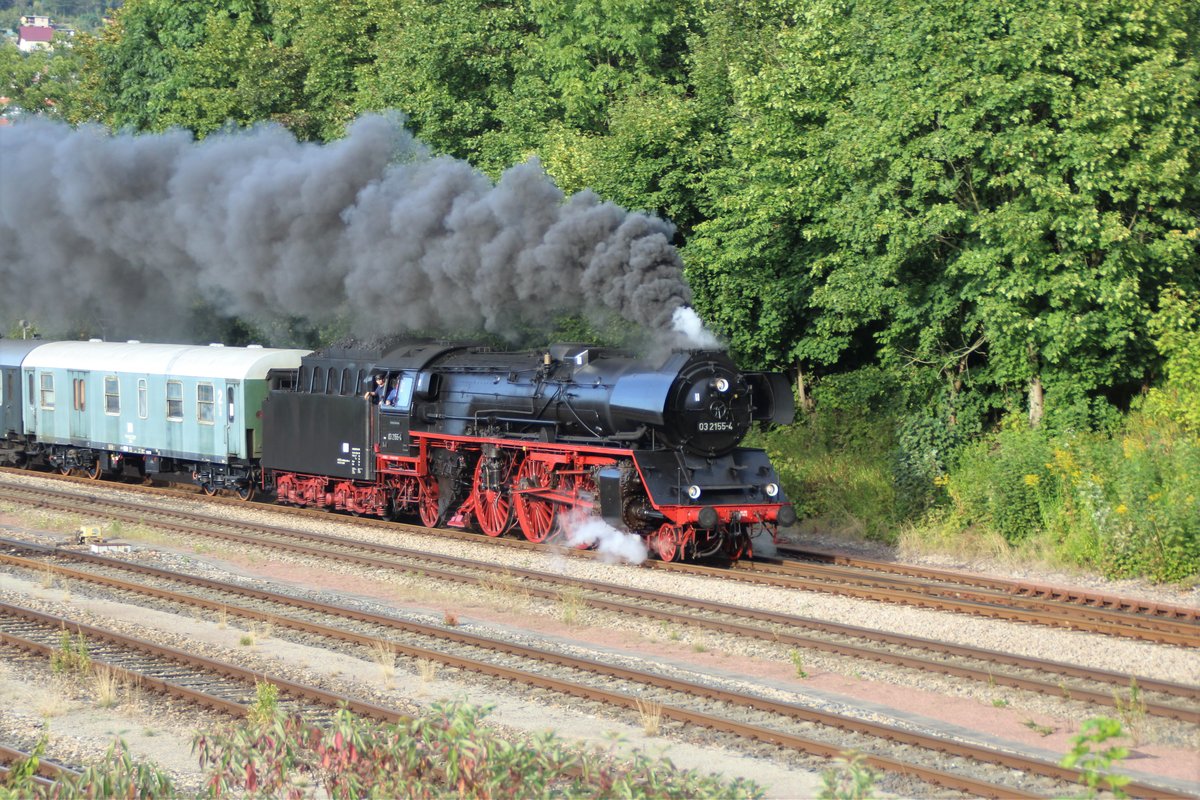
<point>188,63</point>
<point>42,82</point>
<point>459,69</point>
<point>997,191</point>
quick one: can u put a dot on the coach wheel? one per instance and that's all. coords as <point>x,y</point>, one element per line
<point>245,491</point>
<point>493,504</point>
<point>664,543</point>
<point>209,489</point>
<point>427,503</point>
<point>535,514</point>
<point>65,470</point>
<point>93,470</point>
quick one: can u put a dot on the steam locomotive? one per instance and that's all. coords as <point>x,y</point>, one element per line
<point>495,441</point>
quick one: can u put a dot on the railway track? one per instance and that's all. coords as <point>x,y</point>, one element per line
<point>210,683</point>
<point>979,595</point>
<point>47,774</point>
<point>1098,687</point>
<point>952,762</point>
<point>859,578</point>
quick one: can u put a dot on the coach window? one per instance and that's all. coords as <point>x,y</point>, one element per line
<point>47,398</point>
<point>112,395</point>
<point>175,401</point>
<point>229,402</point>
<point>143,399</point>
<point>80,389</point>
<point>205,404</point>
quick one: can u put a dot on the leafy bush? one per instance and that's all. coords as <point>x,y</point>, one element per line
<point>1124,504</point>
<point>833,465</point>
<point>1130,503</point>
<point>445,753</point>
<point>1002,483</point>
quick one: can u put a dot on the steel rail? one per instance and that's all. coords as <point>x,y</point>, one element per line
<point>1174,628</point>
<point>942,589</point>
<point>891,733</point>
<point>781,624</point>
<point>225,669</point>
<point>1073,595</point>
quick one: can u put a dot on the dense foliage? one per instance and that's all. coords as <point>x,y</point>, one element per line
<point>957,212</point>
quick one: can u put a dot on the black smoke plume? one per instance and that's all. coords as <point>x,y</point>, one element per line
<point>134,229</point>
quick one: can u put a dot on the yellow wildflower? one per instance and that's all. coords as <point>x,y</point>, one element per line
<point>1121,509</point>
<point>1032,480</point>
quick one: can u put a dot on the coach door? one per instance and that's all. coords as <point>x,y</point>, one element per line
<point>78,413</point>
<point>233,431</point>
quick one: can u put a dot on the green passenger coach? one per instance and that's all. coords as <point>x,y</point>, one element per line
<point>181,412</point>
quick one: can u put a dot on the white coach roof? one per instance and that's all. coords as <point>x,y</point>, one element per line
<point>181,360</point>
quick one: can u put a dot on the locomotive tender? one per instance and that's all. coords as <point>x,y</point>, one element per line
<point>494,441</point>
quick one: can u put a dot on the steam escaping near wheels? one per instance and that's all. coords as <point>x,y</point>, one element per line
<point>371,228</point>
<point>581,529</point>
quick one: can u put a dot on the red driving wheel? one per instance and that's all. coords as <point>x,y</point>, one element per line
<point>535,515</point>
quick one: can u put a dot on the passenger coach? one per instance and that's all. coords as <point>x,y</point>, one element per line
<point>180,412</point>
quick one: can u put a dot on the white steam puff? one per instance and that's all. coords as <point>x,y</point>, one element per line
<point>613,546</point>
<point>686,322</point>
<point>131,230</point>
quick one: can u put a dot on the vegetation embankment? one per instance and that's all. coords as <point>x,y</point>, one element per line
<point>449,753</point>
<point>1122,499</point>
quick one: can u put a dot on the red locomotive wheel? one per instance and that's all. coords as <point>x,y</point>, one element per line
<point>492,502</point>
<point>427,502</point>
<point>535,515</point>
<point>665,543</point>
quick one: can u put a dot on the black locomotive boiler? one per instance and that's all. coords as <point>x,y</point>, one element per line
<point>503,441</point>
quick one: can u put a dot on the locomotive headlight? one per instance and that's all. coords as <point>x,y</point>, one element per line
<point>694,492</point>
<point>772,489</point>
<point>721,385</point>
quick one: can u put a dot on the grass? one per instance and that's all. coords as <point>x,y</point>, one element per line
<point>571,604</point>
<point>427,670</point>
<point>650,713</point>
<point>797,658</point>
<point>384,655</point>
<point>1039,729</point>
<point>1131,708</point>
<point>106,684</point>
<point>505,591</point>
